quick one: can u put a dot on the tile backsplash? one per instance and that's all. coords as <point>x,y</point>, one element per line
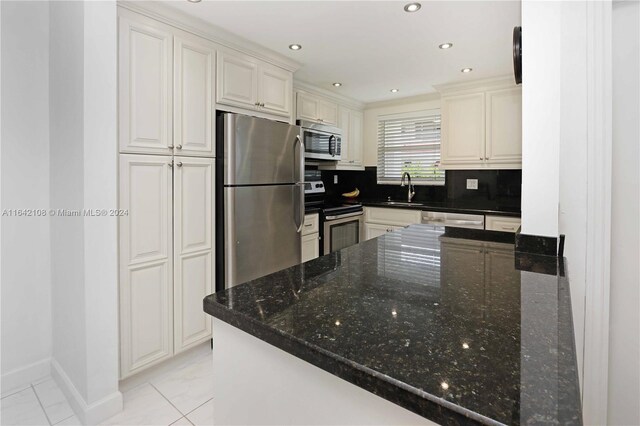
<point>495,187</point>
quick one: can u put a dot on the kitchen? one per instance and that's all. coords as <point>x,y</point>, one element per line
<point>359,209</point>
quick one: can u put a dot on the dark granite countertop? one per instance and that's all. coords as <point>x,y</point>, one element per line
<point>468,207</point>
<point>457,330</point>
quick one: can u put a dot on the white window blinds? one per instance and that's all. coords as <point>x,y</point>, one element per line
<point>410,143</point>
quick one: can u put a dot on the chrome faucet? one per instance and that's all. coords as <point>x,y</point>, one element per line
<point>411,191</point>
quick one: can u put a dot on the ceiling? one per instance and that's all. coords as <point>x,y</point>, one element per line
<point>374,46</point>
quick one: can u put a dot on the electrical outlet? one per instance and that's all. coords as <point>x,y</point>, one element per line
<point>472,183</point>
<point>335,179</point>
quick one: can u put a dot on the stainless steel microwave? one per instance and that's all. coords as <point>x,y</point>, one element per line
<point>321,142</point>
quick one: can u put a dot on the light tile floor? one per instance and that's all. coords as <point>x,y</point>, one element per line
<point>180,396</point>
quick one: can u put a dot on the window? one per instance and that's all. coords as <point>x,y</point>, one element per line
<point>410,143</point>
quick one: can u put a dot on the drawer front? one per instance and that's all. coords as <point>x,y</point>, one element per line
<point>502,224</point>
<point>399,217</point>
<point>311,224</point>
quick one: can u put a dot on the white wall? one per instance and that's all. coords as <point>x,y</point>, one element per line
<point>26,284</point>
<point>84,176</point>
<point>624,326</point>
<point>372,111</point>
<point>541,80</point>
<point>573,157</point>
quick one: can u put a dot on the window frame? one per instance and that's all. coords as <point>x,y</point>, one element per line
<point>401,116</point>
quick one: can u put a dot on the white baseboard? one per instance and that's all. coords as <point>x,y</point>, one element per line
<point>89,414</point>
<point>24,376</point>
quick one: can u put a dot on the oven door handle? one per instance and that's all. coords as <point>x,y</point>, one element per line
<point>342,216</point>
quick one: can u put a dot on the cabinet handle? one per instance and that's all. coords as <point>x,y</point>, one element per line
<point>179,147</point>
<point>262,104</point>
<point>179,164</point>
<point>170,146</point>
<point>170,164</point>
<point>256,103</point>
<point>486,158</point>
<point>481,158</point>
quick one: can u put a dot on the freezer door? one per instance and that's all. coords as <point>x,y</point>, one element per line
<point>258,151</point>
<point>261,234</point>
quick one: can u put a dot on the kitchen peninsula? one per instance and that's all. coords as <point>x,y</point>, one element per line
<point>436,328</point>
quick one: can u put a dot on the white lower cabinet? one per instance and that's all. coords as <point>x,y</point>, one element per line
<point>310,237</point>
<point>501,223</point>
<point>379,221</point>
<point>166,257</point>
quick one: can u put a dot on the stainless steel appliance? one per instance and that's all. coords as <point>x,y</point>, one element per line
<point>260,195</point>
<point>321,141</point>
<point>342,224</point>
<point>457,220</point>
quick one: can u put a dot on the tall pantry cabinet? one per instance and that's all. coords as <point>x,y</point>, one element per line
<point>166,142</point>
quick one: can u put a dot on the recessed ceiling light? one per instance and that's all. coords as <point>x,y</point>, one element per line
<point>466,70</point>
<point>295,46</point>
<point>194,1</point>
<point>394,90</point>
<point>412,7</point>
<point>446,46</point>
<point>337,84</point>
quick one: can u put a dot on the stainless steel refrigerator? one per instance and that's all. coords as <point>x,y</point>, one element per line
<point>260,197</point>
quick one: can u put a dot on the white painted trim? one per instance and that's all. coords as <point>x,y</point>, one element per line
<point>88,413</point>
<point>427,97</point>
<point>22,377</point>
<point>302,86</point>
<point>599,146</point>
<point>201,28</point>
<point>475,85</point>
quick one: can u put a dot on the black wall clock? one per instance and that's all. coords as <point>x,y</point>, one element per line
<point>517,54</point>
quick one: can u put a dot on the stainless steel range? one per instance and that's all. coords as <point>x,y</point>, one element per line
<point>342,223</point>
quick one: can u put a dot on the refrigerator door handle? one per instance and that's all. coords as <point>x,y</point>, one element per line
<point>298,203</point>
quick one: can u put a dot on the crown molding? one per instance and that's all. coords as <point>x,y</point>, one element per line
<point>427,97</point>
<point>303,86</point>
<point>201,28</point>
<point>505,81</point>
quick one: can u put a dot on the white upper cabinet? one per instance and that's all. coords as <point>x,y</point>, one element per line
<point>482,128</point>
<point>463,128</point>
<point>275,87</point>
<point>351,122</point>
<point>314,108</point>
<point>193,193</point>
<point>145,86</point>
<point>249,83</point>
<point>504,126</point>
<point>237,80</point>
<point>194,74</point>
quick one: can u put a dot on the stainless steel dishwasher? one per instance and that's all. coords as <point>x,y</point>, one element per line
<point>458,220</point>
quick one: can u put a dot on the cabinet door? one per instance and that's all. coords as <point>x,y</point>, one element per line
<point>504,126</point>
<point>307,107</point>
<point>275,86</point>
<point>144,86</point>
<point>328,112</point>
<point>356,142</point>
<point>501,223</point>
<point>344,122</point>
<point>237,80</point>
<point>194,74</point>
<point>310,246</point>
<point>463,129</point>
<point>193,250</point>
<point>146,275</point>
<point>373,230</point>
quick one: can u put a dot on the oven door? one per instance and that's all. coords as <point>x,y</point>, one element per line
<point>342,231</point>
<point>321,145</point>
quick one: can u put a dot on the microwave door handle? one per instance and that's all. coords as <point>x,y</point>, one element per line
<point>332,151</point>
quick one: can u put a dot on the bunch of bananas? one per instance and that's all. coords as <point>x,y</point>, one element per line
<point>352,194</point>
